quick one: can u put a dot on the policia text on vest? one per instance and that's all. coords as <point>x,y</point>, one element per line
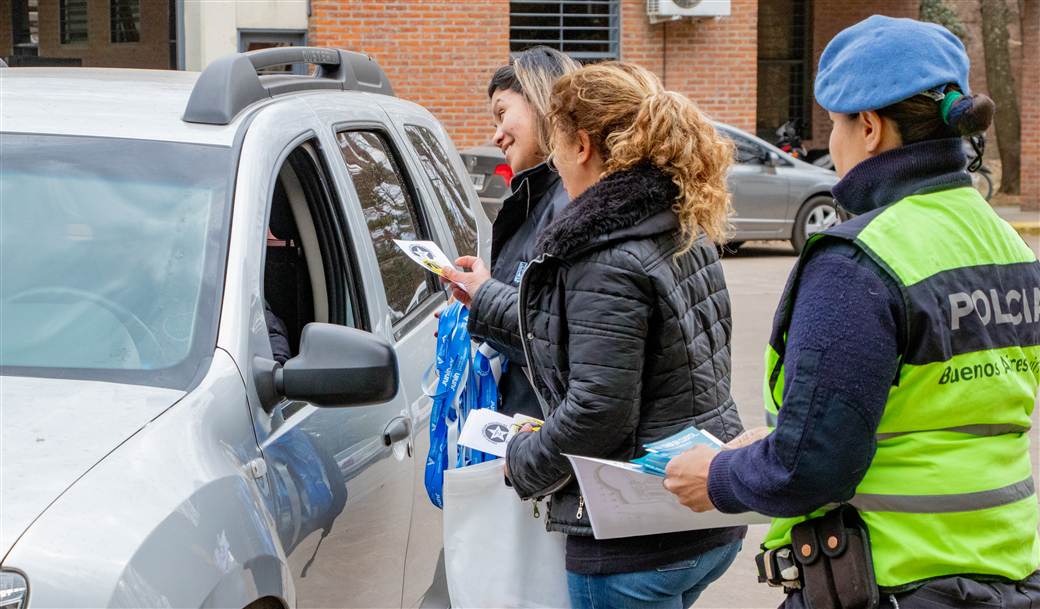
<point>993,307</point>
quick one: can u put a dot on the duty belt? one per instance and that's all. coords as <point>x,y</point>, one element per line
<point>778,568</point>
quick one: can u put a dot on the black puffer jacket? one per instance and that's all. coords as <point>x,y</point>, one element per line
<point>537,196</point>
<point>627,343</point>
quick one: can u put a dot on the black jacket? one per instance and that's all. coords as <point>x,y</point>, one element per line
<point>627,343</point>
<point>537,196</point>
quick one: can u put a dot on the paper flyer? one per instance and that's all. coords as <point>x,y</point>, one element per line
<point>623,501</point>
<point>487,431</point>
<point>490,432</point>
<point>426,254</point>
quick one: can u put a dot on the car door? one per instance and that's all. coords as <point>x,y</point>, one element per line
<point>759,190</point>
<point>446,197</point>
<point>337,481</point>
<point>395,204</point>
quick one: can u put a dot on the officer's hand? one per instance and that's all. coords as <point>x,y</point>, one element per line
<point>687,478</point>
<point>465,285</point>
<point>747,438</point>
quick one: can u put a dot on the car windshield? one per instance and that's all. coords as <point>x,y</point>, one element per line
<point>111,257</point>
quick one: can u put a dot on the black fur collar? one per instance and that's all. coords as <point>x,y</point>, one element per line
<point>620,201</point>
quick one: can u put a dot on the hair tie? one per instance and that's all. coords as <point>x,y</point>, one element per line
<point>948,101</point>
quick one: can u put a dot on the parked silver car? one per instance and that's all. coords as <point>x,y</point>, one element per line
<point>775,195</point>
<point>153,453</point>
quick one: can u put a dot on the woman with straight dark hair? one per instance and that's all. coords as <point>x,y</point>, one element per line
<point>519,94</point>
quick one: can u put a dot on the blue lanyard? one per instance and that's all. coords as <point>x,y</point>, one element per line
<point>480,390</point>
<point>452,364</point>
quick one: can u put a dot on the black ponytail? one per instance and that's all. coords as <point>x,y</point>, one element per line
<point>919,118</point>
<point>971,115</point>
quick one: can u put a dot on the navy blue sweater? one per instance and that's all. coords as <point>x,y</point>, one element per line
<point>842,355</point>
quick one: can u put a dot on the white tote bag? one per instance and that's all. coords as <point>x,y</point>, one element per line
<point>496,553</point>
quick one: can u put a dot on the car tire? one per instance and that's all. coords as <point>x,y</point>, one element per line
<point>817,214</point>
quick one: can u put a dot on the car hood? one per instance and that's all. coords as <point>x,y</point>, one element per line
<point>53,430</point>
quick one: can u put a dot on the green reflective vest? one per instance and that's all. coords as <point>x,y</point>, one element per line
<point>950,489</point>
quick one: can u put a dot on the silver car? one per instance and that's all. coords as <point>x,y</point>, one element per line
<point>775,196</point>
<point>156,230</point>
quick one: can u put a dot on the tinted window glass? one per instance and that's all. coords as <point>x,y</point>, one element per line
<point>450,193</point>
<point>746,151</point>
<point>390,213</point>
<point>111,253</point>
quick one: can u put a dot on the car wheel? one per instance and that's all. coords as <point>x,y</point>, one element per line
<point>817,214</point>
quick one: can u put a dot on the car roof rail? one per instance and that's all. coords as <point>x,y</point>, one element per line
<point>231,83</point>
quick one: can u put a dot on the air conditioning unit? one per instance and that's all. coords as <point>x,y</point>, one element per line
<point>670,10</point>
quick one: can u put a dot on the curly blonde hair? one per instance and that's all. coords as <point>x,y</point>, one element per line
<point>630,118</point>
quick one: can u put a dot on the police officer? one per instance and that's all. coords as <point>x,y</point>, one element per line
<point>904,360</point>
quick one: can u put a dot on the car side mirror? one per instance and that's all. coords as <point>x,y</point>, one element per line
<point>336,367</point>
<point>771,159</point>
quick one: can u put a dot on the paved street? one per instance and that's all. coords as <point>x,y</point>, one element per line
<point>756,276</point>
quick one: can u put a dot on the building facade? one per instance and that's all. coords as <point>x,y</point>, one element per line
<point>751,65</point>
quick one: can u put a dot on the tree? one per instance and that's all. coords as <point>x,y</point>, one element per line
<point>1002,89</point>
<point>936,11</point>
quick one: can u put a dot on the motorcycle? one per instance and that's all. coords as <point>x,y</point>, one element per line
<point>981,176</point>
<point>789,138</point>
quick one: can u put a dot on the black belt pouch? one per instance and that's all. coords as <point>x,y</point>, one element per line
<point>834,553</point>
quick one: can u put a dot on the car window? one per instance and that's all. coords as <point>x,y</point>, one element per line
<point>111,254</point>
<point>449,190</point>
<point>391,213</point>
<point>746,151</point>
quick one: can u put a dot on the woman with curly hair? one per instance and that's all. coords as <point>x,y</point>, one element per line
<point>625,321</point>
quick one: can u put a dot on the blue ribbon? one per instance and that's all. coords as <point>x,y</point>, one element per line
<point>452,365</point>
<point>480,390</point>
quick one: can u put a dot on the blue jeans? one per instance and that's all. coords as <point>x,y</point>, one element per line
<point>674,586</point>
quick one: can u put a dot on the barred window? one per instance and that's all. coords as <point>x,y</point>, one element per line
<point>785,65</point>
<point>72,21</point>
<point>587,30</point>
<point>125,16</point>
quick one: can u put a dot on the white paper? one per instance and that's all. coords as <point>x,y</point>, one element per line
<point>487,431</point>
<point>624,501</point>
<point>426,254</point>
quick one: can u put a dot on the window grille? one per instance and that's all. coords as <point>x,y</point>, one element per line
<point>126,20</point>
<point>587,30</point>
<point>784,65</point>
<point>73,21</point>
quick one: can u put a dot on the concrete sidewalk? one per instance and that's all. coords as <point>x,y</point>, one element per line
<point>1027,223</point>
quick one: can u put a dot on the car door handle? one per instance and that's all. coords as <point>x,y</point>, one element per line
<point>397,430</point>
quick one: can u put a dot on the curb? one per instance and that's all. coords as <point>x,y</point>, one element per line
<point>1031,229</point>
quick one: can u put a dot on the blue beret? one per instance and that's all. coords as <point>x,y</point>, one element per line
<point>882,60</point>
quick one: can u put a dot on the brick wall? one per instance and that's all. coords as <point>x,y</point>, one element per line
<point>1030,105</point>
<point>439,53</point>
<point>6,37</point>
<point>442,53</point>
<point>153,51</point>
<point>715,63</point>
<point>712,61</point>
<point>829,18</point>
<point>642,42</point>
